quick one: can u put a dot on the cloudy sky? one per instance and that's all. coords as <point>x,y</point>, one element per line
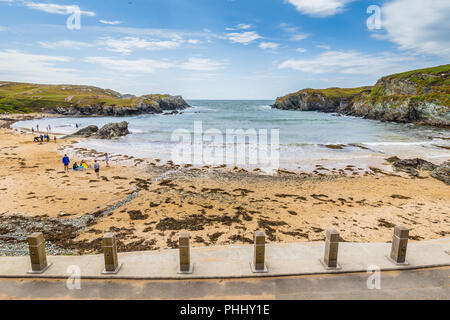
<point>220,49</point>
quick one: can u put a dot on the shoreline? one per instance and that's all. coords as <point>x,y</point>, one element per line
<point>147,203</point>
<point>301,159</point>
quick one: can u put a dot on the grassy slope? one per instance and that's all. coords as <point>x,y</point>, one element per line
<point>26,98</point>
<point>331,93</point>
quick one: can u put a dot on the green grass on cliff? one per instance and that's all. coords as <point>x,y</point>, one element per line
<point>26,98</point>
<point>331,93</point>
<point>432,71</point>
<point>432,85</point>
<point>348,93</point>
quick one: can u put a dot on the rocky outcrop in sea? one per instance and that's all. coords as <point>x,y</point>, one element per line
<point>108,131</point>
<point>112,130</point>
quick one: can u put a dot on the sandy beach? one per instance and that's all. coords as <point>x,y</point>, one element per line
<point>147,203</point>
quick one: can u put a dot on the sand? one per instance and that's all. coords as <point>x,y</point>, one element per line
<point>216,205</point>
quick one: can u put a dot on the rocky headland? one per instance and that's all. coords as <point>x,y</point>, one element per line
<point>419,96</point>
<point>74,100</point>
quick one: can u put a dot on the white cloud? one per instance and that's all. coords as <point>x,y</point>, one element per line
<point>299,36</point>
<point>301,50</point>
<point>319,8</point>
<point>351,62</point>
<point>65,44</point>
<point>56,8</point>
<point>110,22</point>
<point>421,26</point>
<point>126,66</point>
<point>288,27</point>
<point>241,26</point>
<point>50,7</point>
<point>269,45</point>
<point>3,28</point>
<point>200,64</point>
<point>243,37</point>
<point>323,46</point>
<point>20,66</point>
<point>193,41</point>
<point>296,35</point>
<point>127,44</point>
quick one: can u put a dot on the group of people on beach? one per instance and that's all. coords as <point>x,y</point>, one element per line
<point>43,137</point>
<point>84,165</point>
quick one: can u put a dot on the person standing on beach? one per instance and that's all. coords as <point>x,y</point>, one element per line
<point>32,129</point>
<point>107,159</point>
<point>97,169</point>
<point>66,162</point>
<point>37,127</point>
<point>55,139</point>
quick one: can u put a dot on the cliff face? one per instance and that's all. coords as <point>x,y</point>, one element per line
<point>420,96</point>
<point>325,100</point>
<point>81,100</point>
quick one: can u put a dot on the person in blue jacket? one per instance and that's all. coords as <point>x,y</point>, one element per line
<point>66,162</point>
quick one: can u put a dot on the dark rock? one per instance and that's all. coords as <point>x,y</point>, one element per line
<point>85,132</point>
<point>442,172</point>
<point>112,130</point>
<point>392,159</point>
<point>335,146</point>
<point>417,163</point>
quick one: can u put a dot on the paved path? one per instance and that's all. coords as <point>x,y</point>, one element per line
<point>234,261</point>
<point>432,283</point>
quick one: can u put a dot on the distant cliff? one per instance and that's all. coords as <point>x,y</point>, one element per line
<point>74,100</point>
<point>419,96</point>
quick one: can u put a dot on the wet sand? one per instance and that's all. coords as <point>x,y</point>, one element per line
<point>148,203</point>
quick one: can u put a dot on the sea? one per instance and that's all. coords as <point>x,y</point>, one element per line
<point>300,140</point>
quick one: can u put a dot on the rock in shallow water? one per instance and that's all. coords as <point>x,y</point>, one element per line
<point>85,132</point>
<point>112,130</point>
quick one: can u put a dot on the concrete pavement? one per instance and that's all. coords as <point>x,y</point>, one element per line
<point>432,283</point>
<point>234,261</point>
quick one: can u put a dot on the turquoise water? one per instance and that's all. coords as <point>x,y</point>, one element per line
<point>302,135</point>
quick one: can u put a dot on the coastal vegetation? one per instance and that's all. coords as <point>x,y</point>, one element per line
<point>75,99</point>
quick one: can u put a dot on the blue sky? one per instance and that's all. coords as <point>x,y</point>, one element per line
<point>220,49</point>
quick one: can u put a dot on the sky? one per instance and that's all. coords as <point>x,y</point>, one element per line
<point>219,49</point>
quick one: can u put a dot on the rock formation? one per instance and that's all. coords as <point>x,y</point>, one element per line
<point>75,100</point>
<point>85,132</point>
<point>112,130</point>
<point>419,96</point>
<point>442,172</point>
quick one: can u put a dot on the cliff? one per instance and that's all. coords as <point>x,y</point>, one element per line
<point>419,96</point>
<point>75,100</point>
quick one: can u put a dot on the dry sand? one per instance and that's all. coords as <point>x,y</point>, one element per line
<point>216,205</point>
